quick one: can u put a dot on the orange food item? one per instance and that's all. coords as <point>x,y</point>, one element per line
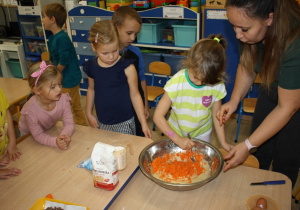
<point>178,166</point>
<point>49,196</point>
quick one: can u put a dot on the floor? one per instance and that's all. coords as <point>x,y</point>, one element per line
<point>230,130</point>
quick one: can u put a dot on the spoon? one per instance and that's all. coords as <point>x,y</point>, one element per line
<point>192,158</point>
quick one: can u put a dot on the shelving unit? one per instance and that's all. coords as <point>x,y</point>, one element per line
<point>34,36</point>
<point>81,19</point>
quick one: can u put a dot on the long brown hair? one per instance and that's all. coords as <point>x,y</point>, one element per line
<point>283,31</point>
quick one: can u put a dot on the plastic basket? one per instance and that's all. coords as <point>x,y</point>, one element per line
<point>185,33</point>
<point>15,67</point>
<point>151,32</point>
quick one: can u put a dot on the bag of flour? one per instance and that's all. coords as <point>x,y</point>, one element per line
<point>105,166</point>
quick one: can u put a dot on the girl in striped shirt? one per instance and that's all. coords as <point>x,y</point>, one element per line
<point>194,94</point>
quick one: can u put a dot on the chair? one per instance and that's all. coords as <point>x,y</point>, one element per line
<point>296,195</point>
<point>155,92</point>
<point>45,56</point>
<point>251,161</point>
<point>21,138</point>
<point>247,105</point>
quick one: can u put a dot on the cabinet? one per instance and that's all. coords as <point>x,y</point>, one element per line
<point>83,17</point>
<point>10,50</point>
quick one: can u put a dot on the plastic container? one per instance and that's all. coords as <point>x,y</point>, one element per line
<point>15,67</point>
<point>31,60</point>
<point>40,31</point>
<point>185,33</point>
<point>34,47</point>
<point>173,61</point>
<point>150,33</point>
<point>167,35</point>
<point>29,28</point>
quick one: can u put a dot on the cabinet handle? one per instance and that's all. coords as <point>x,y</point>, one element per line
<point>86,59</point>
<point>82,34</point>
<point>84,47</point>
<point>81,21</point>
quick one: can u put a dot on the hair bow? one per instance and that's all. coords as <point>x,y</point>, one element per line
<point>43,67</point>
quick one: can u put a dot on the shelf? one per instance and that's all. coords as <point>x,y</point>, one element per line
<point>168,46</point>
<point>34,37</point>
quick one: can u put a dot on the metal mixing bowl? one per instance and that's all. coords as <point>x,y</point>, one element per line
<point>159,148</point>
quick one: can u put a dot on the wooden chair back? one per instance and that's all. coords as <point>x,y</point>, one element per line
<point>159,67</point>
<point>45,56</point>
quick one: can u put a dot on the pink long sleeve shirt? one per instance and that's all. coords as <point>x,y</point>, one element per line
<point>36,120</point>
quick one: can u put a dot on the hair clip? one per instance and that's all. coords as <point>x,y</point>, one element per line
<point>43,67</point>
<point>96,37</point>
<point>217,39</point>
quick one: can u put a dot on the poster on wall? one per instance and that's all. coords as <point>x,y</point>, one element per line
<point>216,14</point>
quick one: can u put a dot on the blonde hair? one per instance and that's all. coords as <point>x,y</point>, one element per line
<point>57,11</point>
<point>51,73</point>
<point>103,32</point>
<point>207,58</point>
<point>123,13</point>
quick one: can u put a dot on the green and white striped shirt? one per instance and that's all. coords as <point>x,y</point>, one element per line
<point>192,105</point>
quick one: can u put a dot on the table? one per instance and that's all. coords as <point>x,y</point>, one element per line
<point>51,170</point>
<point>15,90</point>
<point>230,190</point>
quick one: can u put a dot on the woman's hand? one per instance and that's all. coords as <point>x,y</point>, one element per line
<point>92,121</point>
<point>236,156</point>
<point>5,173</point>
<point>226,111</point>
<point>12,151</point>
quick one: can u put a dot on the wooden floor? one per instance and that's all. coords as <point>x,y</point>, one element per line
<point>230,131</point>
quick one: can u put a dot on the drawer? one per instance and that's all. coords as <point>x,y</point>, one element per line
<point>80,35</point>
<point>84,23</point>
<point>84,58</point>
<point>83,48</point>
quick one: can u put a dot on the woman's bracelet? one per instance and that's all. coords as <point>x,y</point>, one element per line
<point>249,145</point>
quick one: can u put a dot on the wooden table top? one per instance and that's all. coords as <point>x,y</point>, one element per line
<point>14,89</point>
<point>51,170</point>
<point>229,191</point>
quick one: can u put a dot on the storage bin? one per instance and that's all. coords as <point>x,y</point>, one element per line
<point>31,60</point>
<point>173,61</point>
<point>40,31</point>
<point>167,35</point>
<point>15,67</point>
<point>150,33</point>
<point>185,33</point>
<point>29,28</point>
<point>34,47</point>
<point>149,58</point>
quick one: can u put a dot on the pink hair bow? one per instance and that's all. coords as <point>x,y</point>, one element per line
<point>43,67</point>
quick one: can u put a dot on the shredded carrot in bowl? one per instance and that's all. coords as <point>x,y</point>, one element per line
<point>178,167</point>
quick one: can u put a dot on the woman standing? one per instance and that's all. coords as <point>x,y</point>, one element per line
<point>269,33</point>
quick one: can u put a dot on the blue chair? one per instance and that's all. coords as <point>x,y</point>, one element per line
<point>155,92</point>
<point>247,105</point>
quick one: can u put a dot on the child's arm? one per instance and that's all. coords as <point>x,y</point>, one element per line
<point>220,129</point>
<point>5,173</point>
<point>136,99</point>
<point>60,67</point>
<point>161,110</point>
<point>11,148</point>
<point>144,87</point>
<point>90,96</point>
<point>67,117</point>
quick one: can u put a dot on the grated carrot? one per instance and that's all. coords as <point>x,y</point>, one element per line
<point>178,166</point>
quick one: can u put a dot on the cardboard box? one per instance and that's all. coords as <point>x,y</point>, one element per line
<point>216,3</point>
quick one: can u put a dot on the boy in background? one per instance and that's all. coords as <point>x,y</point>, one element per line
<point>129,23</point>
<point>63,55</point>
<point>7,140</point>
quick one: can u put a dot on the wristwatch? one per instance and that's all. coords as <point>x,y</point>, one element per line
<point>249,145</point>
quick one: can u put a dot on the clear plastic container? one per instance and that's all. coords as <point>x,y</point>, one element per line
<point>29,28</point>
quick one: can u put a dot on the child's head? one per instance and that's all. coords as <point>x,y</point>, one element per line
<point>57,11</point>
<point>105,41</point>
<point>128,22</point>
<point>42,75</point>
<point>206,59</point>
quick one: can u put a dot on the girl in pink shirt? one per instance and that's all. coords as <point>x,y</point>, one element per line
<point>46,106</point>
